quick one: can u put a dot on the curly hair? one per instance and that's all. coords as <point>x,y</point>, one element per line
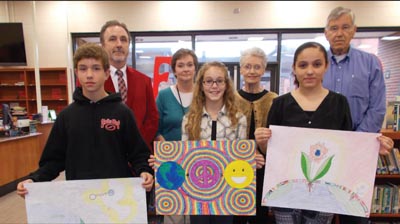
<point>91,50</point>
<point>195,112</point>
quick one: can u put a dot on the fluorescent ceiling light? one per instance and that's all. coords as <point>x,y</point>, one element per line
<point>391,38</point>
<point>255,38</point>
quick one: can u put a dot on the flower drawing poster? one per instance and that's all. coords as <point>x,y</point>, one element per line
<point>205,177</point>
<point>321,170</point>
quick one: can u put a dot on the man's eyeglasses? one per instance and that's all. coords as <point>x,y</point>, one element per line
<point>248,67</point>
<point>210,82</point>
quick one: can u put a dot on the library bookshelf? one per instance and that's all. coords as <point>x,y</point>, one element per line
<point>385,179</point>
<point>18,87</point>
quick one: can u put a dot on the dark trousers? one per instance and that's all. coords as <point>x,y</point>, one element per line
<point>261,211</point>
<point>210,219</point>
<point>346,219</point>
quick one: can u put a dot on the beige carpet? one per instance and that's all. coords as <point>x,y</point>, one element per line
<point>12,209</point>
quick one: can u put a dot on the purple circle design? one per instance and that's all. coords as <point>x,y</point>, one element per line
<point>204,174</point>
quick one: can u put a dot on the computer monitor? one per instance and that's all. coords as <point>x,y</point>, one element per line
<point>7,120</point>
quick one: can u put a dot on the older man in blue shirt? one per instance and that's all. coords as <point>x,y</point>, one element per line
<point>356,74</point>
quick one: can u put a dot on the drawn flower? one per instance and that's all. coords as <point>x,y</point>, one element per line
<point>318,152</point>
<point>308,163</point>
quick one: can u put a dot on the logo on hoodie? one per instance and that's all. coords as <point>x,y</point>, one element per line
<point>110,124</point>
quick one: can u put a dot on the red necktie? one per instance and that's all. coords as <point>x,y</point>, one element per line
<point>121,85</point>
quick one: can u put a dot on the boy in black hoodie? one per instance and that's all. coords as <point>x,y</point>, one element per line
<point>96,136</point>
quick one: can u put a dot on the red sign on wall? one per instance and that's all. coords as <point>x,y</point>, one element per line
<point>158,78</point>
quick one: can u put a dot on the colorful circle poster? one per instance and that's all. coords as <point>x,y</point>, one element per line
<point>205,177</point>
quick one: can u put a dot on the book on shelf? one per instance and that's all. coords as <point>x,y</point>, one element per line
<point>392,115</point>
<point>395,198</point>
<point>56,93</point>
<point>391,163</point>
<point>384,168</point>
<point>386,199</point>
<point>396,154</point>
<point>62,78</point>
<point>396,115</point>
<point>376,206</point>
<point>379,166</point>
<point>380,197</point>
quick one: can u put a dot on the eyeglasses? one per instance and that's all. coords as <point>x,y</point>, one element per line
<point>248,67</point>
<point>346,28</point>
<point>210,82</point>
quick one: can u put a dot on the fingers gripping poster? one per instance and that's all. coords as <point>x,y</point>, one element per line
<point>205,177</point>
<point>321,170</point>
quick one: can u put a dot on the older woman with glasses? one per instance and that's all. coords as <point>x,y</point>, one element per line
<point>254,102</point>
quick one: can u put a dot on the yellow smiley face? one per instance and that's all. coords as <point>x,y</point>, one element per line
<point>239,174</point>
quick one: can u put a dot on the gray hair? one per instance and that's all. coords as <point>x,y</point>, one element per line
<point>337,12</point>
<point>256,52</point>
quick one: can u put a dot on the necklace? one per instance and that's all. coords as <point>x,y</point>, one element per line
<point>180,100</point>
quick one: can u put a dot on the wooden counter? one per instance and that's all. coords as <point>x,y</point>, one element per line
<point>18,157</point>
<point>395,135</point>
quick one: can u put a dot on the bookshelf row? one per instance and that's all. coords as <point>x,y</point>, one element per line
<point>18,88</point>
<point>389,164</point>
<point>386,199</point>
<point>389,178</point>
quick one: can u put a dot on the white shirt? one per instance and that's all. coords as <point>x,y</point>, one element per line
<point>185,97</point>
<point>114,77</point>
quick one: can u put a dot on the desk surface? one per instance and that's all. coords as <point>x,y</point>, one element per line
<point>6,139</point>
<point>395,135</point>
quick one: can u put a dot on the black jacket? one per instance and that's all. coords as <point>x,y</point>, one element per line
<point>93,140</point>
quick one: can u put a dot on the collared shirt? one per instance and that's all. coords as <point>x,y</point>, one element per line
<point>359,77</point>
<point>225,131</point>
<point>114,77</point>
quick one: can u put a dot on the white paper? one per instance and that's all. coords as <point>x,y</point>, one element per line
<point>321,170</point>
<point>119,200</point>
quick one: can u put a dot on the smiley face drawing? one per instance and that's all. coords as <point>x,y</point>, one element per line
<point>239,174</point>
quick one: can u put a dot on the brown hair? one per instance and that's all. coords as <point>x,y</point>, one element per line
<point>91,50</point>
<point>182,53</point>
<point>113,23</point>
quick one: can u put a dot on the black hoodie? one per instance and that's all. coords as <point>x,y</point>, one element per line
<point>93,140</point>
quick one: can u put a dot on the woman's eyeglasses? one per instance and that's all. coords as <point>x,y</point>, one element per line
<point>210,82</point>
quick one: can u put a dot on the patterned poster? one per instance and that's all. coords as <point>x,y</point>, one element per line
<point>321,170</point>
<point>205,177</point>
